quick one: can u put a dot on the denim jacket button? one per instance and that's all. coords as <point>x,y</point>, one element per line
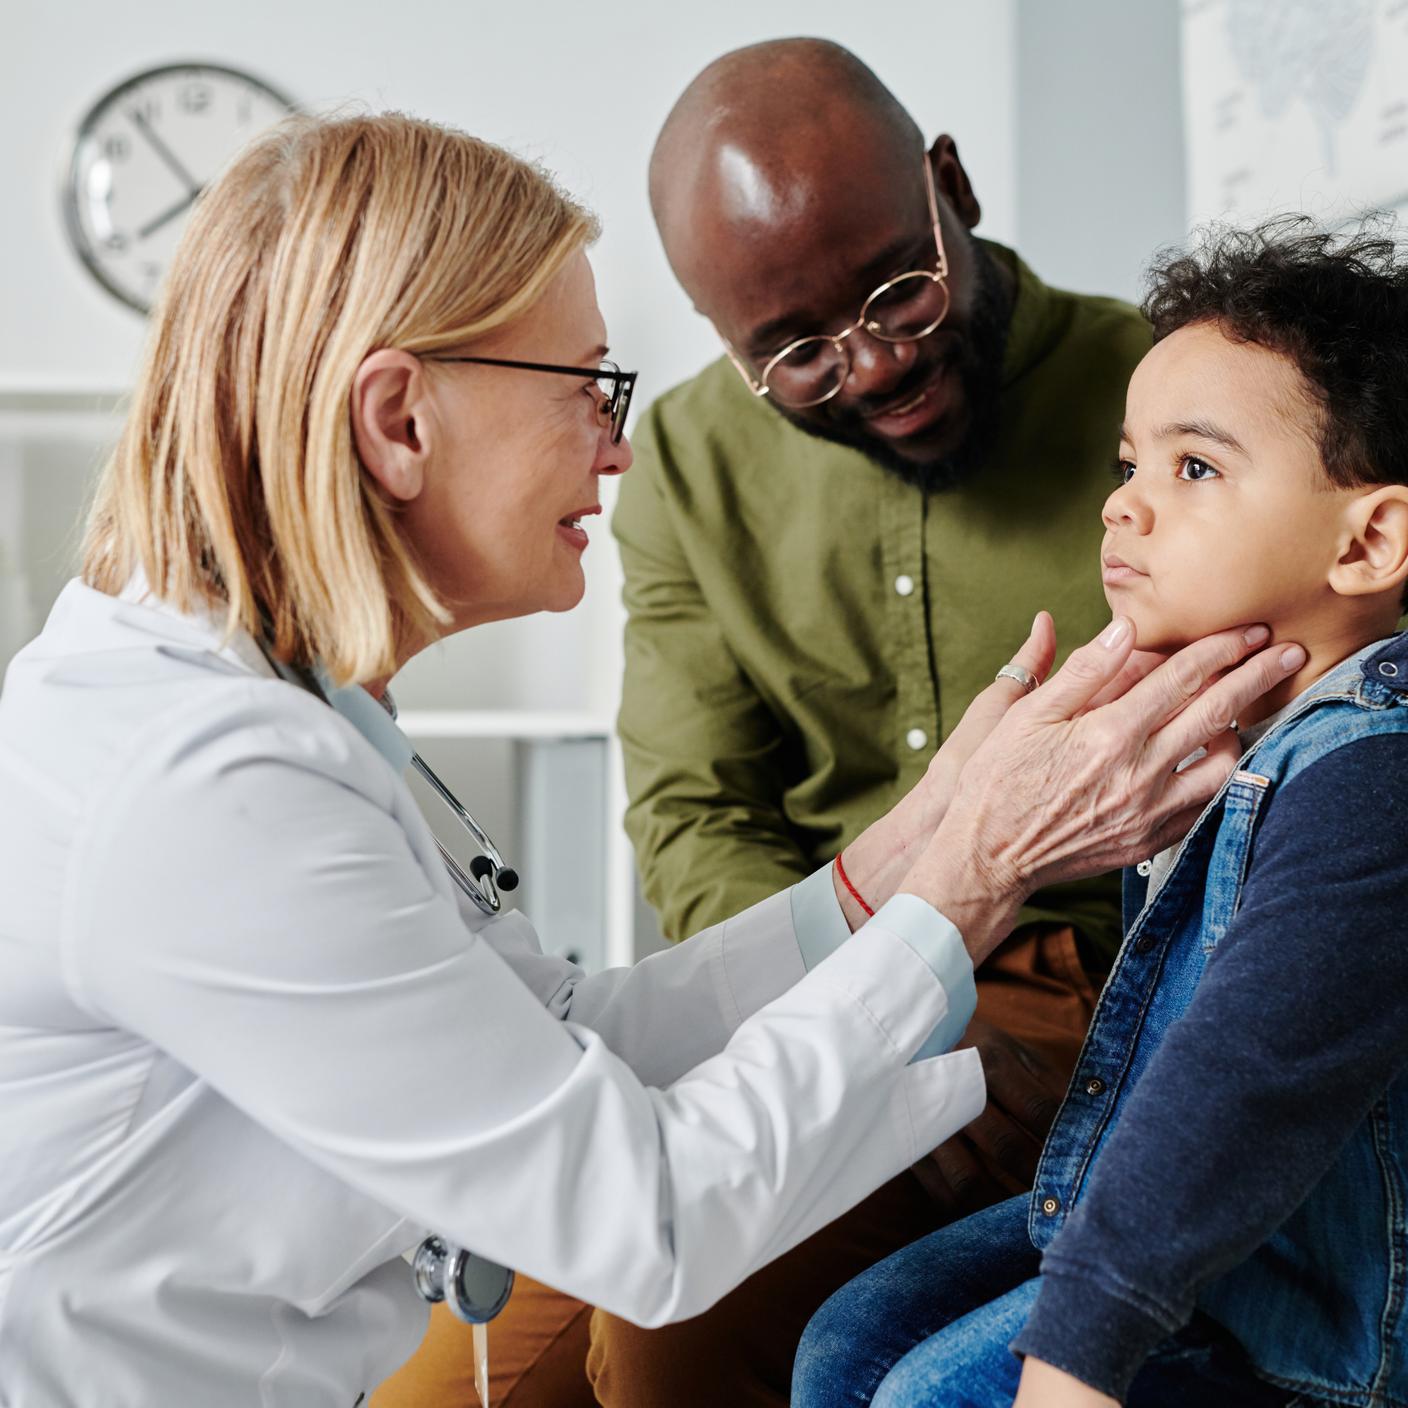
<point>1145,868</point>
<point>1095,1086</point>
<point>1388,668</point>
<point>1050,1206</point>
<point>1143,944</point>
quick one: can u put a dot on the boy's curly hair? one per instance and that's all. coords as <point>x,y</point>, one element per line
<point>1335,304</point>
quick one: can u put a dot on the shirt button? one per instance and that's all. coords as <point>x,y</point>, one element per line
<point>1145,867</point>
<point>916,738</point>
<point>1095,1086</point>
<point>1143,944</point>
<point>1050,1206</point>
<point>904,584</point>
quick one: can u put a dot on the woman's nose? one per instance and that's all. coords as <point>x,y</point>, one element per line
<point>613,459</point>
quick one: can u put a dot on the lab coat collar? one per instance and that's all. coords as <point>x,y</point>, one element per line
<point>354,703</point>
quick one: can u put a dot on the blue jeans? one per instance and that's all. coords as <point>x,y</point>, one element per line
<point>929,1328</point>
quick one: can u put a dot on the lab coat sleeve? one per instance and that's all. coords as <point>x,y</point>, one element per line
<point>255,895</point>
<point>672,1010</point>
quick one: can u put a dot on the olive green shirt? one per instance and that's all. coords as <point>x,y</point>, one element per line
<point>804,628</point>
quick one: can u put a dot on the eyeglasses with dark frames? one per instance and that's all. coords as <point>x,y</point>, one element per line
<point>903,309</point>
<point>614,385</point>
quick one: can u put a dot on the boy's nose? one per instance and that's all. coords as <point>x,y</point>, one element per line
<point>1125,508</point>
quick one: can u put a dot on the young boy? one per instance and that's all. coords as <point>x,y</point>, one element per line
<point>1220,1216</point>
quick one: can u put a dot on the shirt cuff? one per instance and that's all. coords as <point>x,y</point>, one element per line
<point>817,918</point>
<point>941,946</point>
<point>821,928</point>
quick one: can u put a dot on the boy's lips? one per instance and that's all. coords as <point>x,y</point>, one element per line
<point>1116,572</point>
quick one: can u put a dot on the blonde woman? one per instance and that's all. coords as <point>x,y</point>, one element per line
<point>255,1042</point>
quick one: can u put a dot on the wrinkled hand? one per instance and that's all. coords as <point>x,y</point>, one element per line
<point>989,707</point>
<point>1003,1144</point>
<point>880,858</point>
<point>1059,789</point>
<point>1043,1386</point>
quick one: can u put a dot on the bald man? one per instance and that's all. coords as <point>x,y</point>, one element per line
<point>832,538</point>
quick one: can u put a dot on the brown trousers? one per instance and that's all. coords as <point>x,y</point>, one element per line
<point>549,1351</point>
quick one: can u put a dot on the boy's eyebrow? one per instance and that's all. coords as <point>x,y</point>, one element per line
<point>1204,430</point>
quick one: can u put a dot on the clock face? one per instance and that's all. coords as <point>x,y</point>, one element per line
<point>144,152</point>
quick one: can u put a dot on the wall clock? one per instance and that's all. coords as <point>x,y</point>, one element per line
<point>144,151</point>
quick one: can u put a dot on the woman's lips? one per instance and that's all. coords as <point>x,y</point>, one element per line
<point>570,530</point>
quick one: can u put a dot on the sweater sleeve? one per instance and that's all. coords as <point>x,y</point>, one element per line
<point>1295,1030</point>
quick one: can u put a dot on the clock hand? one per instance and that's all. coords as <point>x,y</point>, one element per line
<point>163,151</point>
<point>170,213</point>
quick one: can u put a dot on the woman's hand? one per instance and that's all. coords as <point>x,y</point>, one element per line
<point>1060,788</point>
<point>878,859</point>
<point>1043,1386</point>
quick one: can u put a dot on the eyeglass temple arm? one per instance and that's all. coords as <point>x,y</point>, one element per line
<point>753,385</point>
<point>934,216</point>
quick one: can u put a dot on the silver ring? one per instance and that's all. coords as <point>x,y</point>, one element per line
<point>1021,674</point>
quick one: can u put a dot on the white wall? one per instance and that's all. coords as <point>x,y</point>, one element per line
<point>582,87</point>
<point>1099,139</point>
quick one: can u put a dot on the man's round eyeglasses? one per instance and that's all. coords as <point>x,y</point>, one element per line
<point>614,386</point>
<point>903,309</point>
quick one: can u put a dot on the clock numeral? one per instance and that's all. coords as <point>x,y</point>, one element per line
<point>117,147</point>
<point>147,110</point>
<point>116,242</point>
<point>151,273</point>
<point>194,98</point>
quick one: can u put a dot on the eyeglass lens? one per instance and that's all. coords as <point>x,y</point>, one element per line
<point>813,370</point>
<point>616,398</point>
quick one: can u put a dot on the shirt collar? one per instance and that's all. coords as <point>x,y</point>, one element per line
<point>1039,314</point>
<point>371,720</point>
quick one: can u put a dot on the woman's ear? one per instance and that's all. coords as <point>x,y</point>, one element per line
<point>1374,559</point>
<point>391,417</point>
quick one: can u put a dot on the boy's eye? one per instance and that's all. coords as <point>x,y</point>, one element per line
<point>1191,468</point>
<point>1123,470</point>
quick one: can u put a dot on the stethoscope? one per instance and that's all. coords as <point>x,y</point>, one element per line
<point>474,1288</point>
<point>487,873</point>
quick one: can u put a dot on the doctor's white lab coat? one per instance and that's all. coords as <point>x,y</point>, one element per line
<point>254,1045</point>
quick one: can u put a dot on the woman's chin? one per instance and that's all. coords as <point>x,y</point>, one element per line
<point>567,594</point>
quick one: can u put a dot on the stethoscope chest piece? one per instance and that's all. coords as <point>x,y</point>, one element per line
<point>474,1289</point>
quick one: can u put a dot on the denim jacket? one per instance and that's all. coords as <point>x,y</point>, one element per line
<point>1321,1306</point>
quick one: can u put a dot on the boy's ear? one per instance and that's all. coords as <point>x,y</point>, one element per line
<point>1374,560</point>
<point>391,420</point>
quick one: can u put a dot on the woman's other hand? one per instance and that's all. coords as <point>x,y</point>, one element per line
<point>1043,1386</point>
<point>1059,789</point>
<point>879,859</point>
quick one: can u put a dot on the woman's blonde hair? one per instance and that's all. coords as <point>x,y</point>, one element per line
<point>236,481</point>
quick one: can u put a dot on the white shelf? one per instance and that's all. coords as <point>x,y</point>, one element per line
<point>32,396</point>
<point>29,411</point>
<point>501,723</point>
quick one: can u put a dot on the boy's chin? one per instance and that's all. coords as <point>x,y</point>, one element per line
<point>1155,637</point>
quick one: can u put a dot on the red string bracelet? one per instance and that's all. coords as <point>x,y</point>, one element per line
<point>854,893</point>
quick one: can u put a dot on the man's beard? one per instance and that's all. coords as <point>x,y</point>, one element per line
<point>978,367</point>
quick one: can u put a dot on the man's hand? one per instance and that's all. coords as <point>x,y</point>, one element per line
<point>1003,1144</point>
<point>1045,1387</point>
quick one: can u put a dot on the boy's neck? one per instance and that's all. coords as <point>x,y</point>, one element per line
<point>1324,650</point>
